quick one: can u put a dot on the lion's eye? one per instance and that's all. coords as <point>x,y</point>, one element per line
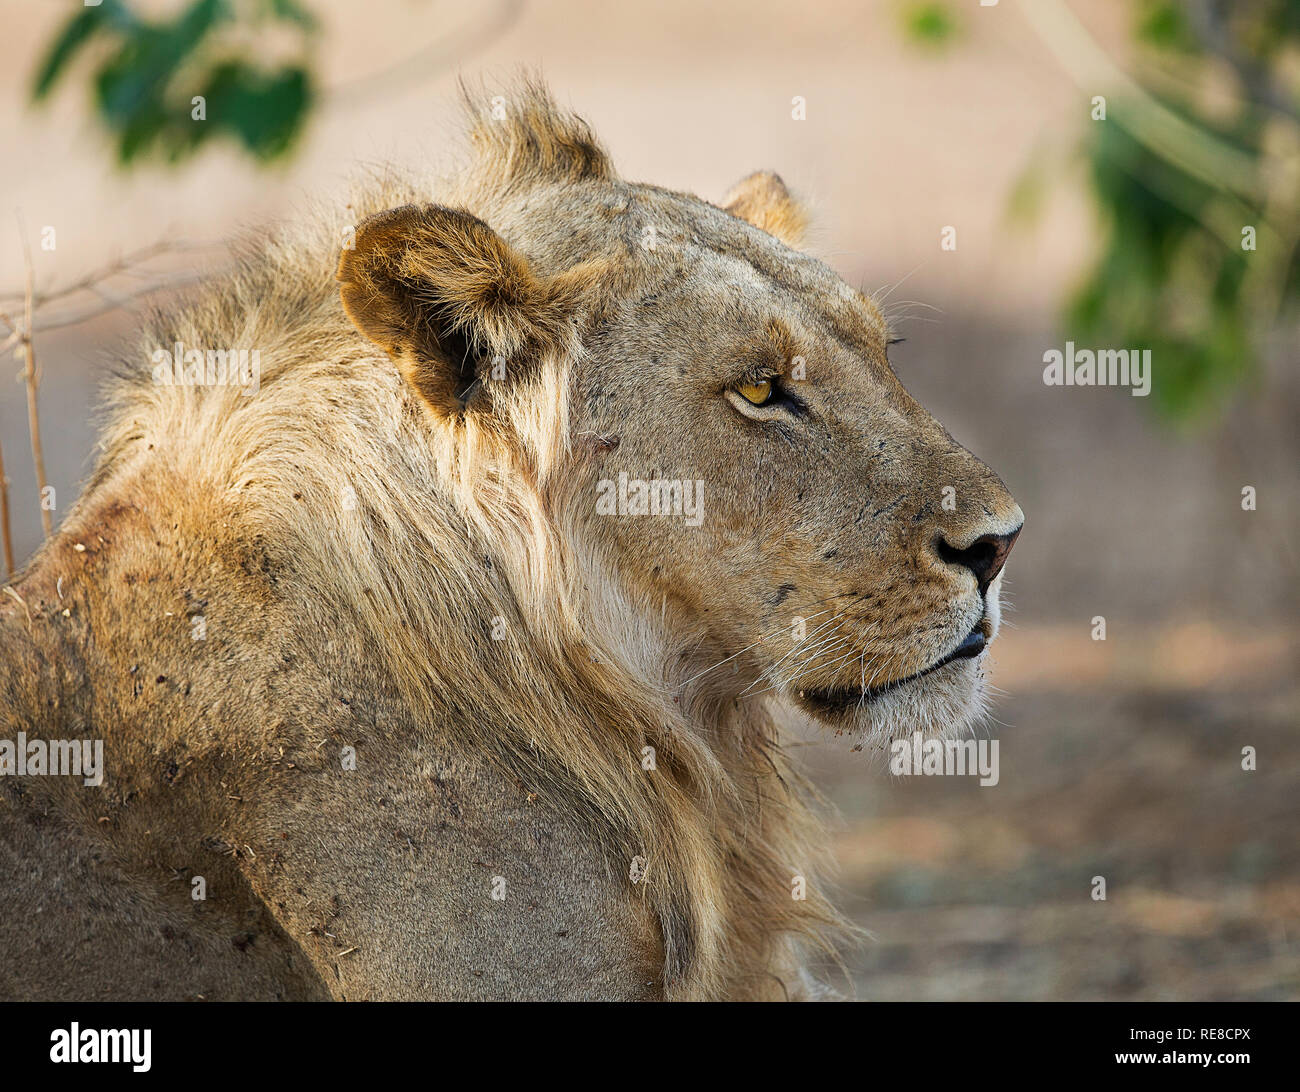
<point>757,393</point>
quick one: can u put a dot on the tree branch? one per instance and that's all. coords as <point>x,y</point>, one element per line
<point>32,378</point>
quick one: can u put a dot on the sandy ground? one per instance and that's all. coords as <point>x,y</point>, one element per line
<point>1119,759</point>
<point>986,893</point>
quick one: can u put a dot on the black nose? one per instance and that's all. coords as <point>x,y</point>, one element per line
<point>984,557</point>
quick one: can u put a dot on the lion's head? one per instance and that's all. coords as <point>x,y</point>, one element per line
<point>709,416</point>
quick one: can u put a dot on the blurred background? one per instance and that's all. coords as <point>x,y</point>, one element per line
<point>1099,162</point>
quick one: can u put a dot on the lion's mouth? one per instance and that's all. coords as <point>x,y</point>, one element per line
<point>840,700</point>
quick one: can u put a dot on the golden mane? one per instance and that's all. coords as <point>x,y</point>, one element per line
<point>423,536</point>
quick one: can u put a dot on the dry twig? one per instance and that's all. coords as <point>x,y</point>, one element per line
<point>5,533</point>
<point>31,378</point>
<point>22,332</point>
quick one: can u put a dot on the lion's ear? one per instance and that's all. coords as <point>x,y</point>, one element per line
<point>445,296</point>
<point>762,200</point>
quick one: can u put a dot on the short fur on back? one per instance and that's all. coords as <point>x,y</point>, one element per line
<point>394,548</point>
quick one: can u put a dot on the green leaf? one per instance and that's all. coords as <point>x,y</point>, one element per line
<point>265,111</point>
<point>76,32</point>
<point>1028,192</point>
<point>290,11</point>
<point>929,23</point>
<point>1163,24</point>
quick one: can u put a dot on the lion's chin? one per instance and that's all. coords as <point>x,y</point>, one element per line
<point>944,702</point>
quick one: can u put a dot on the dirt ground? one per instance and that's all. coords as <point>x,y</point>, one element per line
<point>986,893</point>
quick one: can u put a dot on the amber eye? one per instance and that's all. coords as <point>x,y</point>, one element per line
<point>757,393</point>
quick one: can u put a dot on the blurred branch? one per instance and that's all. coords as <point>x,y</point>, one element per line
<point>165,85</point>
<point>75,318</point>
<point>430,61</point>
<point>32,378</point>
<point>94,284</point>
<point>5,533</point>
<point>1209,19</point>
<point>124,264</point>
<point>1200,209</point>
<point>1199,153</point>
<point>22,333</point>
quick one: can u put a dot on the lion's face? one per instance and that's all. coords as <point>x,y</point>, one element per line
<point>734,446</point>
<point>837,541</point>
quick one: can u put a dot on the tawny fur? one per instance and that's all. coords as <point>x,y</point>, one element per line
<point>763,200</point>
<point>385,562</point>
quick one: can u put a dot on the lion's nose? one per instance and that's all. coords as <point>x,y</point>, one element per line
<point>984,557</point>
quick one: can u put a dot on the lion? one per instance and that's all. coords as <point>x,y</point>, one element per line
<point>448,658</point>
